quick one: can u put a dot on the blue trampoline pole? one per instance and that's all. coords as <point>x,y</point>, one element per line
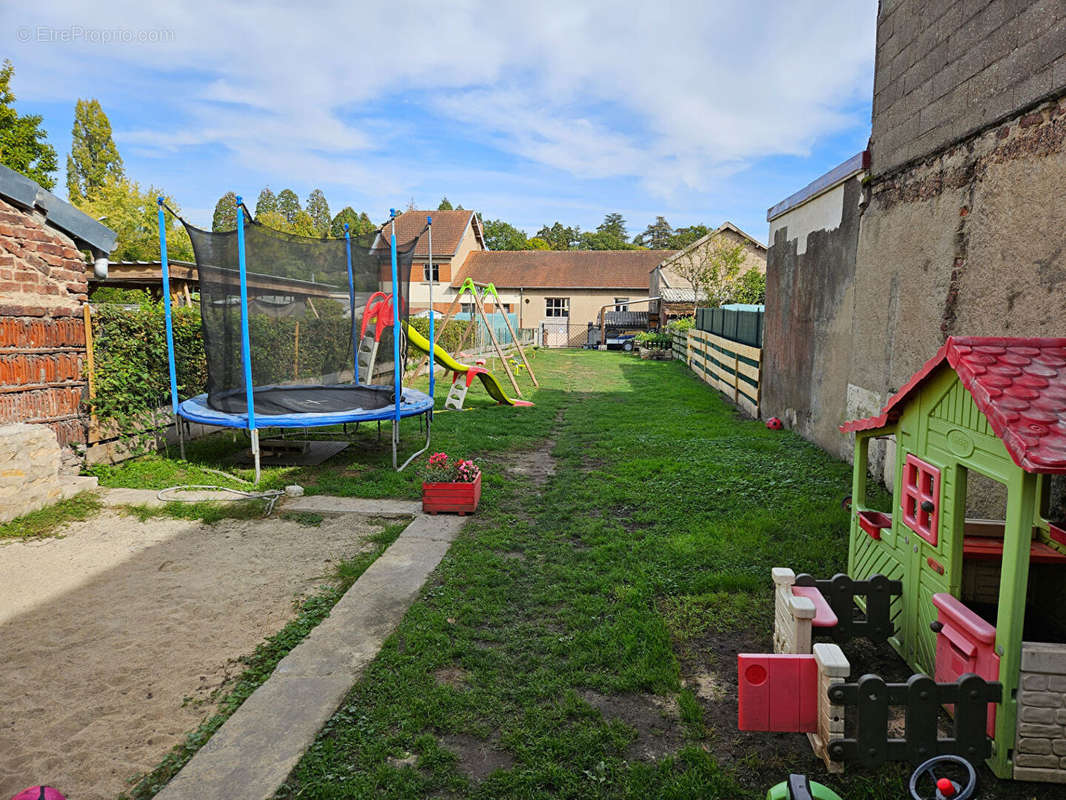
<point>351,301</point>
<point>432,314</point>
<point>397,368</point>
<point>169,324</point>
<point>246,347</point>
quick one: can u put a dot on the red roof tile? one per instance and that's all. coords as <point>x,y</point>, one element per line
<point>563,269</point>
<point>448,230</point>
<point>1018,384</point>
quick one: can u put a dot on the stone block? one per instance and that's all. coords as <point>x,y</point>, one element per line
<point>1037,746</point>
<point>1058,747</point>
<point>1057,683</point>
<point>1035,730</point>
<point>1060,716</point>
<point>1036,760</point>
<point>1042,699</point>
<point>1040,716</point>
<point>1035,683</point>
<point>1039,775</point>
<point>1047,658</point>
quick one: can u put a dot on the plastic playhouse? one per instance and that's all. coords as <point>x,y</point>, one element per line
<point>973,605</point>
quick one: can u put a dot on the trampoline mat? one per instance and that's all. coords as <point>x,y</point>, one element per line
<point>281,400</point>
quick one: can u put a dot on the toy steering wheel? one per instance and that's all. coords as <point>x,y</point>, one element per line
<point>945,787</point>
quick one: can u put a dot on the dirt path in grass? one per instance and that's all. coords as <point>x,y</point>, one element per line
<point>116,637</point>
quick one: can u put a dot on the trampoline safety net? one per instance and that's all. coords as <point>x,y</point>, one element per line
<point>305,319</point>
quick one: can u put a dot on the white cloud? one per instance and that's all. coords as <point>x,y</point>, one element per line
<point>674,94</point>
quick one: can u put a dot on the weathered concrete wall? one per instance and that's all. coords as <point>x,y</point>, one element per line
<point>42,335</point>
<point>947,68</point>
<point>969,242</point>
<point>809,301</point>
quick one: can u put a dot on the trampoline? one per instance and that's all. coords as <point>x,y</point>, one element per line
<point>284,322</point>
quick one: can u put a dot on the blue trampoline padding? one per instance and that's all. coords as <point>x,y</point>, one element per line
<point>196,409</point>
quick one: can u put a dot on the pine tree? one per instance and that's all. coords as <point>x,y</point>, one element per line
<point>22,140</point>
<point>657,236</point>
<point>318,209</point>
<point>445,205</point>
<point>358,224</point>
<point>289,205</point>
<point>225,217</point>
<point>267,203</point>
<point>93,156</point>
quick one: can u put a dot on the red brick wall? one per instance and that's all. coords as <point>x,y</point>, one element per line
<point>42,333</point>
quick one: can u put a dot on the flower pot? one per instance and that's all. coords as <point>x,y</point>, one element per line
<point>457,498</point>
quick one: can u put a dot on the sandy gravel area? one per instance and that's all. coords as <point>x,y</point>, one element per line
<point>115,636</point>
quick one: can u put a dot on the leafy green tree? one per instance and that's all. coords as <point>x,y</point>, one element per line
<point>560,237</point>
<point>683,237</point>
<point>318,210</point>
<point>23,145</point>
<point>500,235</point>
<point>225,216</point>
<point>131,212</point>
<point>301,225</point>
<point>751,288</point>
<point>657,236</point>
<point>712,269</point>
<point>288,205</point>
<point>536,243</point>
<point>358,224</point>
<point>445,205</point>
<point>93,156</point>
<point>268,201</point>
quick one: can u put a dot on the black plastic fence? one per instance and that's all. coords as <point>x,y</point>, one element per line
<point>737,326</point>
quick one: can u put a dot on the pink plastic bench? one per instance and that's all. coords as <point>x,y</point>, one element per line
<point>823,614</point>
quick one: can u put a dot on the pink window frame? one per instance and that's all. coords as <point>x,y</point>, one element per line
<point>913,491</point>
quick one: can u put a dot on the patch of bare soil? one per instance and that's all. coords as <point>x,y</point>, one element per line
<point>451,676</point>
<point>709,668</point>
<point>536,465</point>
<point>655,719</point>
<point>478,758</point>
<point>118,637</point>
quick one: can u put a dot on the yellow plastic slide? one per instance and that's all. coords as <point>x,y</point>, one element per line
<point>445,359</point>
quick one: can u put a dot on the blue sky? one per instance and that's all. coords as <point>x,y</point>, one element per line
<point>528,112</point>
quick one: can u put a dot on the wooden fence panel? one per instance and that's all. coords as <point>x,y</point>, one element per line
<point>733,368</point>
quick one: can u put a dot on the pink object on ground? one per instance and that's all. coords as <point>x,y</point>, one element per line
<point>823,614</point>
<point>39,793</point>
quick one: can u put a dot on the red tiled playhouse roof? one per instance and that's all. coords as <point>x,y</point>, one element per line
<point>1018,384</point>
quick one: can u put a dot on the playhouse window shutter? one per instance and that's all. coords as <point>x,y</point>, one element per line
<point>920,498</point>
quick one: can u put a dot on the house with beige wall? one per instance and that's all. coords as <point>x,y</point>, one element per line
<point>456,234</point>
<point>677,295</point>
<point>558,292</point>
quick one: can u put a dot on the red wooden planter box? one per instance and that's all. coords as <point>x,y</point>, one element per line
<point>459,498</point>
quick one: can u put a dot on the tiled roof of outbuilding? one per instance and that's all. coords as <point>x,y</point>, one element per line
<point>1018,384</point>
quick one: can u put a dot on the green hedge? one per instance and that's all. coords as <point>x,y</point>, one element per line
<point>130,352</point>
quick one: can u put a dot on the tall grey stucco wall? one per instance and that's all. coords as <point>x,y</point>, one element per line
<point>969,242</point>
<point>810,278</point>
<point>946,68</point>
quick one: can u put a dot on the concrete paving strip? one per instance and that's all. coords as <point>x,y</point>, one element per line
<point>252,754</point>
<point>352,505</point>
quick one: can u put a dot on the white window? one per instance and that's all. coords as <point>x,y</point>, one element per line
<point>466,308</point>
<point>557,306</point>
<point>621,304</point>
<point>436,273</point>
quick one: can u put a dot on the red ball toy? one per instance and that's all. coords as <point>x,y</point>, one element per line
<point>774,424</point>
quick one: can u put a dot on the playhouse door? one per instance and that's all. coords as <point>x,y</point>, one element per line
<point>920,513</point>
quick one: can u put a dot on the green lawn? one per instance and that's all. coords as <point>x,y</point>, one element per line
<point>580,638</point>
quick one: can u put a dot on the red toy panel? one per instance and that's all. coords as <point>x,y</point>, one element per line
<point>777,693</point>
<point>920,498</point>
<point>965,643</point>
